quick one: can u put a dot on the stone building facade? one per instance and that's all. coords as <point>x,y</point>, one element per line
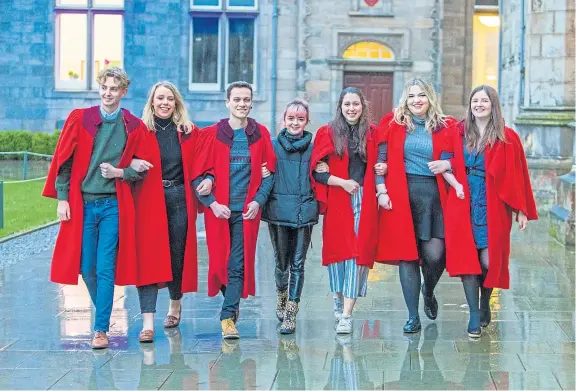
<point>537,88</point>
<point>53,48</point>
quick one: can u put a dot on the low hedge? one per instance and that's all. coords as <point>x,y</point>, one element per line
<point>22,140</point>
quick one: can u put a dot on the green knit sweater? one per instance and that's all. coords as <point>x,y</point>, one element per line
<point>108,147</point>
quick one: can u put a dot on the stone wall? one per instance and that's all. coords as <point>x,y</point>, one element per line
<point>156,47</point>
<point>537,92</point>
<point>456,60</point>
<point>311,38</point>
<point>26,42</point>
<point>325,28</point>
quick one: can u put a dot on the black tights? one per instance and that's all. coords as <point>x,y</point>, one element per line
<point>477,296</point>
<point>432,255</point>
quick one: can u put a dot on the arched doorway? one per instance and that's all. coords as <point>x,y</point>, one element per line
<point>378,87</point>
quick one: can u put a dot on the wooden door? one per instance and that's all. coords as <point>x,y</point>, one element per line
<point>377,88</point>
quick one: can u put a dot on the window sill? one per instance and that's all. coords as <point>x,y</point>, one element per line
<point>76,93</point>
<point>380,14</point>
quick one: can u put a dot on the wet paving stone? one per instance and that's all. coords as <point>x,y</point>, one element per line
<point>45,335</point>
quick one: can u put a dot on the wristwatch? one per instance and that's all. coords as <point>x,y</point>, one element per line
<point>380,193</point>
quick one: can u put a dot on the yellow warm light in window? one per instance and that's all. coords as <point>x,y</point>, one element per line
<point>485,50</point>
<point>489,20</point>
<point>368,50</point>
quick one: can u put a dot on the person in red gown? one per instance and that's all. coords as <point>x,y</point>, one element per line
<point>233,151</point>
<point>487,158</point>
<point>172,137</point>
<point>101,200</point>
<point>347,198</point>
<point>411,225</point>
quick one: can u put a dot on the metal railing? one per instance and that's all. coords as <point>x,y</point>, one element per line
<point>25,159</point>
<point>25,174</point>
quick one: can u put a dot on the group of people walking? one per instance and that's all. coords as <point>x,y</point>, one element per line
<point>420,190</point>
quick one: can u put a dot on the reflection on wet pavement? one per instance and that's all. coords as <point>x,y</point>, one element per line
<point>45,332</point>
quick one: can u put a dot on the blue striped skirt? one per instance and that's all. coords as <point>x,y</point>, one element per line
<point>346,277</point>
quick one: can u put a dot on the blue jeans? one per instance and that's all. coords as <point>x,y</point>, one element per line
<point>99,248</point>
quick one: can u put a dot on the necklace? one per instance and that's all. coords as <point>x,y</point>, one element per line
<point>162,127</point>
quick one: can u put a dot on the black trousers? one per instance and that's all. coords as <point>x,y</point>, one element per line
<point>233,291</point>
<point>175,198</point>
<point>290,248</point>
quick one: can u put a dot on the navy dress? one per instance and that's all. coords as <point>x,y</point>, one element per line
<point>476,175</point>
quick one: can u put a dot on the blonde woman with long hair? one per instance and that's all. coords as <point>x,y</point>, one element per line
<point>173,136</point>
<point>411,227</point>
<point>488,160</point>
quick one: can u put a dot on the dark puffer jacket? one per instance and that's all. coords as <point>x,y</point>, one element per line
<point>292,202</point>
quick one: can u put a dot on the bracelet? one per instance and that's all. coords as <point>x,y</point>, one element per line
<point>380,193</point>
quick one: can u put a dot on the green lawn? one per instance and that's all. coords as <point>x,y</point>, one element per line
<point>25,208</point>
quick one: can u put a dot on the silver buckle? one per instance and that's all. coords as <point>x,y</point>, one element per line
<point>167,183</point>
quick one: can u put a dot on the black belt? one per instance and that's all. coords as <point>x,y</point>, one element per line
<point>475,172</point>
<point>170,183</point>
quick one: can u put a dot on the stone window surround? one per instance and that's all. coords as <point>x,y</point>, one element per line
<point>90,10</point>
<point>223,4</point>
<point>217,91</point>
<point>357,10</point>
<point>398,40</point>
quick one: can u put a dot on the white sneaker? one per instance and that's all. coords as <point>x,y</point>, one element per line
<point>338,307</point>
<point>344,325</point>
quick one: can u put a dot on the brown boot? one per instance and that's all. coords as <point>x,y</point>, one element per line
<point>289,323</point>
<point>281,304</point>
<point>229,329</point>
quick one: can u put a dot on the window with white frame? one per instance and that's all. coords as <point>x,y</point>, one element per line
<point>222,43</point>
<point>89,38</point>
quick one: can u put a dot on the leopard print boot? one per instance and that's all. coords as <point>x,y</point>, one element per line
<point>289,324</point>
<point>281,304</point>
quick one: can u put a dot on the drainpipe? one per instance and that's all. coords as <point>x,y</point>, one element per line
<point>500,13</point>
<point>274,64</point>
<point>522,50</point>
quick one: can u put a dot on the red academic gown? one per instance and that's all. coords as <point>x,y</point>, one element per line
<point>143,252</point>
<point>339,241</point>
<point>187,147</point>
<point>508,189</point>
<point>213,155</point>
<point>397,238</point>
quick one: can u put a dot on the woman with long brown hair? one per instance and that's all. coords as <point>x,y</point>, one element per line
<point>487,158</point>
<point>411,226</point>
<point>347,199</point>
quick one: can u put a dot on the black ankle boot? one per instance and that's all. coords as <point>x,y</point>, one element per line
<point>485,317</point>
<point>430,305</point>
<point>485,314</point>
<point>413,325</point>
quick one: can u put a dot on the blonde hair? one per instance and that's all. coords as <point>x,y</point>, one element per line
<point>180,116</point>
<point>435,118</point>
<point>494,129</point>
<point>117,73</point>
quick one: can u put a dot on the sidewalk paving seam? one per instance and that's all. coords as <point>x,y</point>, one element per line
<point>61,377</point>
<point>165,380</point>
